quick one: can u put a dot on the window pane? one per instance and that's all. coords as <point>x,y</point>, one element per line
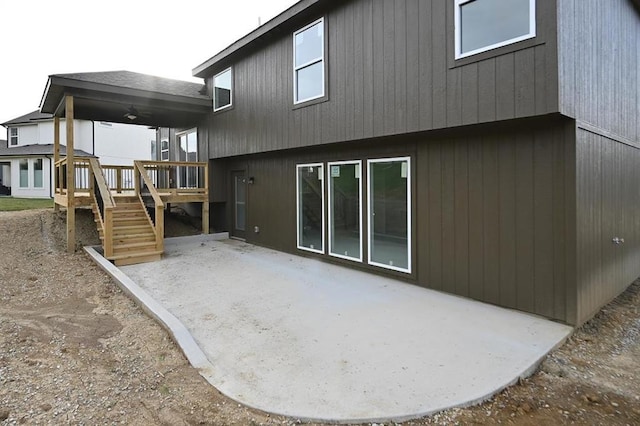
<point>389,214</point>
<point>182,139</point>
<point>13,138</point>
<point>310,207</point>
<point>488,22</point>
<point>222,90</point>
<point>310,82</point>
<point>309,44</point>
<point>192,146</point>
<point>24,173</point>
<point>240,202</point>
<point>344,215</point>
<point>37,173</point>
<point>154,150</point>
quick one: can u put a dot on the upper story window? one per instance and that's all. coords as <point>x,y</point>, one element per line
<point>13,136</point>
<point>483,25</point>
<point>164,150</point>
<point>222,90</point>
<point>308,62</point>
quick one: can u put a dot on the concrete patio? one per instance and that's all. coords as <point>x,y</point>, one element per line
<point>316,341</point>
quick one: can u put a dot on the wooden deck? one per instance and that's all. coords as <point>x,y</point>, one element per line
<point>129,202</point>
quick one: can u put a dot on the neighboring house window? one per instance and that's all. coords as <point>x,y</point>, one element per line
<point>13,136</point>
<point>345,210</point>
<point>222,90</point>
<point>37,173</point>
<point>389,224</point>
<point>483,25</point>
<point>154,150</point>
<point>308,62</point>
<point>188,145</point>
<point>24,173</point>
<point>164,150</point>
<point>310,204</point>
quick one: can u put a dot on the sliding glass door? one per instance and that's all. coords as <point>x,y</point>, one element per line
<point>310,204</point>
<point>389,230</point>
<point>345,210</point>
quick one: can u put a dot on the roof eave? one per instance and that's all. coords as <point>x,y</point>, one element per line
<point>101,87</point>
<point>204,70</point>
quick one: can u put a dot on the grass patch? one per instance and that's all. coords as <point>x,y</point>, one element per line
<point>11,204</point>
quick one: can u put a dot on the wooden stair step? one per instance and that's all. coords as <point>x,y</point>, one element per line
<point>131,246</point>
<point>134,250</point>
<point>126,228</point>
<point>134,238</point>
<point>131,221</point>
<point>133,258</point>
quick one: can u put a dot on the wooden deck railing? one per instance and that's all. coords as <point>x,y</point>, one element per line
<point>148,194</point>
<point>119,178</point>
<point>156,183</point>
<point>101,194</point>
<point>82,179</point>
<point>179,181</point>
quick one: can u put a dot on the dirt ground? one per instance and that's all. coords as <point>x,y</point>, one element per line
<point>75,350</point>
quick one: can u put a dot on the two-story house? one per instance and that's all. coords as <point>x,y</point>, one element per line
<point>26,158</point>
<point>486,148</point>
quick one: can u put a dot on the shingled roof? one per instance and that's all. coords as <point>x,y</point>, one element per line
<point>28,118</point>
<point>36,150</point>
<point>111,95</point>
<point>138,81</point>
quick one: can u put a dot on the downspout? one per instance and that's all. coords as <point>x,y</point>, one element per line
<point>93,137</point>
<point>51,177</point>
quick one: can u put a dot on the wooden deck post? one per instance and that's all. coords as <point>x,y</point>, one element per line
<point>56,158</point>
<point>205,203</point>
<point>71,181</point>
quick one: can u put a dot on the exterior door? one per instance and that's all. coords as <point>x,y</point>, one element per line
<point>239,208</point>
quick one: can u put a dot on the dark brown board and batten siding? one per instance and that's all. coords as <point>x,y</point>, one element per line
<point>608,202</point>
<point>496,217</point>
<point>599,64</point>
<point>492,213</point>
<point>599,76</point>
<point>391,70</point>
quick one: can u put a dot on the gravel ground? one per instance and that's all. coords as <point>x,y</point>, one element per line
<point>75,350</point>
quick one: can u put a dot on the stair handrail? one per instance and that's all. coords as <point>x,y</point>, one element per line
<point>157,201</point>
<point>105,203</point>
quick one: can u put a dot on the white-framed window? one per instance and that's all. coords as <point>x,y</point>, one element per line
<point>389,210</point>
<point>188,146</point>
<point>37,173</point>
<point>13,136</point>
<point>223,90</point>
<point>308,62</point>
<point>482,25</point>
<point>164,150</point>
<point>345,209</point>
<point>310,207</point>
<point>23,167</point>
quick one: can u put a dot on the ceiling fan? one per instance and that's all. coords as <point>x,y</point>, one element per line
<point>133,114</point>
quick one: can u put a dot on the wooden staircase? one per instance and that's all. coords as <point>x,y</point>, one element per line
<point>133,236</point>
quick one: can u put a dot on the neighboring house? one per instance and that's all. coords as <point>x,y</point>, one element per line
<point>4,170</point>
<point>27,155</point>
<point>488,149</point>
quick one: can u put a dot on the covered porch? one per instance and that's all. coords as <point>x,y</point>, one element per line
<point>128,202</point>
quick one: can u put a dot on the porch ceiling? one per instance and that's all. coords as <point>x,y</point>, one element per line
<point>110,96</point>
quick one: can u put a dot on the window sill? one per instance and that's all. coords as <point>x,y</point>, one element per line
<point>223,110</point>
<point>498,51</point>
<point>310,102</point>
